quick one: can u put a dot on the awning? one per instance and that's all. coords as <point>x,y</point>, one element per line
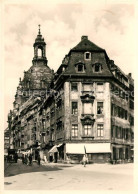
<point>79,148</point>
<point>59,145</point>
<point>117,121</point>
<point>53,149</point>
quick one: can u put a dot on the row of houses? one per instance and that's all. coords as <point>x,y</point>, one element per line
<point>87,106</point>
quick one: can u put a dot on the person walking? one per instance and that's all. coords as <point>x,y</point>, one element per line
<point>30,159</point>
<point>84,160</point>
<point>38,159</point>
<point>16,157</point>
<point>26,159</point>
<point>23,159</point>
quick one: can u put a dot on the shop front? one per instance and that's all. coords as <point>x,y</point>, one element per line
<point>56,153</point>
<point>96,152</point>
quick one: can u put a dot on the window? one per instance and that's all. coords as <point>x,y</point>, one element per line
<point>59,104</point>
<point>97,67</point>
<point>39,52</point>
<point>126,134</point>
<point>131,120</point>
<point>126,114</point>
<point>99,107</point>
<point>42,84</point>
<point>80,68</point>
<point>74,108</point>
<point>74,87</point>
<point>112,130</point>
<point>119,132</point>
<point>112,109</point>
<point>87,56</point>
<point>43,124</point>
<point>100,130</point>
<point>59,126</point>
<point>52,112</point>
<point>74,130</point>
<point>87,130</point>
<point>131,104</point>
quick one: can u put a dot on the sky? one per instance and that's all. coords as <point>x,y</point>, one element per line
<point>111,26</point>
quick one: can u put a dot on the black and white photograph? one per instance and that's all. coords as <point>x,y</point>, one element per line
<point>68,88</point>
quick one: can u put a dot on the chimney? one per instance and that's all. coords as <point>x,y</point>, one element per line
<point>84,38</point>
<point>112,63</point>
<point>130,75</point>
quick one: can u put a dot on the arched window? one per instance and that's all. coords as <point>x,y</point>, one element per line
<point>39,52</point>
<point>80,67</point>
<point>97,67</point>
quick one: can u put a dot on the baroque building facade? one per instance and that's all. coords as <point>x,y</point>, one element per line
<point>87,106</point>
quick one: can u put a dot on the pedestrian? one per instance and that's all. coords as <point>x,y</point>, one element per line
<point>26,159</point>
<point>16,157</point>
<point>84,160</point>
<point>30,159</point>
<point>23,159</point>
<point>38,159</point>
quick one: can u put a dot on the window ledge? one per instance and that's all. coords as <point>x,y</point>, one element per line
<point>100,115</point>
<point>85,136</point>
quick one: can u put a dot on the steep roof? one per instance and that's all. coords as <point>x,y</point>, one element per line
<point>86,45</point>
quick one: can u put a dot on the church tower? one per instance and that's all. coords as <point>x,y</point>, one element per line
<point>39,49</point>
<point>38,78</point>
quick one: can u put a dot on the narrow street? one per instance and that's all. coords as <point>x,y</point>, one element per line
<point>53,176</point>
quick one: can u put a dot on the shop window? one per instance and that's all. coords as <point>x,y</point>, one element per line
<point>87,130</point>
<point>74,87</point>
<point>120,153</point>
<point>74,108</point>
<point>74,130</point>
<point>99,107</point>
<point>126,153</point>
<point>100,130</point>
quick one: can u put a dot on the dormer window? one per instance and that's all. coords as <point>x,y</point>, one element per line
<point>80,67</point>
<point>97,67</point>
<point>87,56</point>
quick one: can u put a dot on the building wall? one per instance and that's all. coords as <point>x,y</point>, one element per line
<point>75,96</point>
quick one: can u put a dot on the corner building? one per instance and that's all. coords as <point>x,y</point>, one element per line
<point>97,111</point>
<point>89,109</point>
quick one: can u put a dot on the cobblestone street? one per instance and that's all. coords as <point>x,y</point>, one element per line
<point>69,177</point>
